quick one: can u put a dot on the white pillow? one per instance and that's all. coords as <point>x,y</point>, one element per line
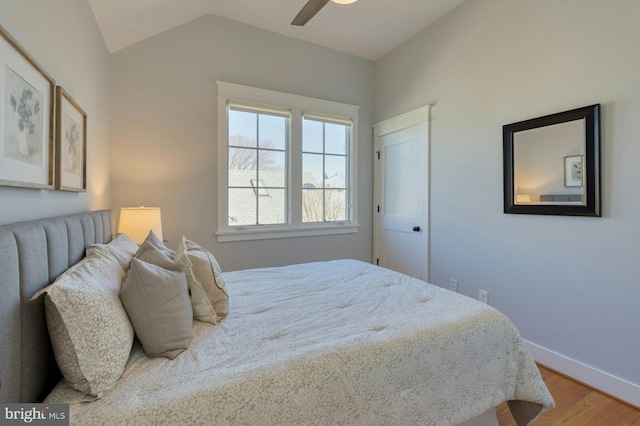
<point>121,247</point>
<point>89,329</point>
<point>209,297</point>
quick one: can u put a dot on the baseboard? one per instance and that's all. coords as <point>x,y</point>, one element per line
<point>599,380</point>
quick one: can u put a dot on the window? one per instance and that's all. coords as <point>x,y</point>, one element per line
<point>286,165</point>
<point>256,166</point>
<point>324,170</point>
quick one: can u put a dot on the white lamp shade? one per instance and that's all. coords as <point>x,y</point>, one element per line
<point>344,1</point>
<point>136,222</point>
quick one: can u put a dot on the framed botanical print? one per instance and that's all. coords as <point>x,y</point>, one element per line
<point>573,171</point>
<point>71,144</point>
<point>26,118</point>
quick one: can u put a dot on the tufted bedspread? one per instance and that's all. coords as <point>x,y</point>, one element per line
<point>329,343</point>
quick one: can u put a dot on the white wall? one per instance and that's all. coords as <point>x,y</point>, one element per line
<point>63,37</point>
<point>164,129</point>
<point>570,284</point>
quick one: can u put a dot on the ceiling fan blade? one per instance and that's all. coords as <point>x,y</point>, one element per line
<point>308,11</point>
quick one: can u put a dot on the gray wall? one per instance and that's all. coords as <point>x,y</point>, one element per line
<point>570,284</point>
<point>164,129</point>
<point>63,36</point>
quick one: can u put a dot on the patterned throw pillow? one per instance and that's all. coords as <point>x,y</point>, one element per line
<point>121,247</point>
<point>89,329</point>
<point>208,290</point>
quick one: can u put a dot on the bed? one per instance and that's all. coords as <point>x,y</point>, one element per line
<point>340,342</point>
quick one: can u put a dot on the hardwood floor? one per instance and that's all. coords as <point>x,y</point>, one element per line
<point>577,405</point>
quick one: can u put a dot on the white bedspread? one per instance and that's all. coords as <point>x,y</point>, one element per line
<point>328,343</point>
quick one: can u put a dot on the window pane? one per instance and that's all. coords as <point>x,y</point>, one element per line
<point>272,208</point>
<point>335,205</point>
<point>312,171</point>
<point>272,131</point>
<point>272,160</point>
<point>336,171</point>
<point>242,178</point>
<point>312,134</point>
<point>272,169</point>
<point>243,159</point>
<point>312,205</point>
<point>258,188</point>
<point>335,138</point>
<point>242,207</point>
<point>242,128</point>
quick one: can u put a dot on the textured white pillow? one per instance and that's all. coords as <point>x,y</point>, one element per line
<point>209,297</point>
<point>89,329</point>
<point>121,247</point>
<point>200,303</point>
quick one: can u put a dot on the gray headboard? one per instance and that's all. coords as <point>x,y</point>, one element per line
<point>32,255</point>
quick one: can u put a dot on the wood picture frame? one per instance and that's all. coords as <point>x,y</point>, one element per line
<point>71,144</point>
<point>27,102</point>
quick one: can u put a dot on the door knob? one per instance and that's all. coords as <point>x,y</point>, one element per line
<point>416,229</point>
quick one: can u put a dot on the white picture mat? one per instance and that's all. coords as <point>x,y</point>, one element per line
<point>69,112</point>
<point>11,169</point>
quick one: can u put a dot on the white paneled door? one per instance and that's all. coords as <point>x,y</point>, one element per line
<point>402,194</point>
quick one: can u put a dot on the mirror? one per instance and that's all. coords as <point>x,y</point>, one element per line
<point>552,164</point>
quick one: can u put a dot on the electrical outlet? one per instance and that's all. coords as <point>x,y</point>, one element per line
<point>483,296</point>
<point>453,285</point>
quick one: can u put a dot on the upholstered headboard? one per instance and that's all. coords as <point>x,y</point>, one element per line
<point>32,255</point>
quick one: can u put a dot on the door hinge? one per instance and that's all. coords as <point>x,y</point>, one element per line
<point>378,154</point>
<point>378,209</point>
<point>378,262</point>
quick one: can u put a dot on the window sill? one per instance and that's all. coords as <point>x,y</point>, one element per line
<point>253,233</point>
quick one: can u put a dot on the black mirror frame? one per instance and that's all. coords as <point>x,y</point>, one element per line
<point>591,114</point>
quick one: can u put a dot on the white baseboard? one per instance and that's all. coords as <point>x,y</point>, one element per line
<point>604,382</point>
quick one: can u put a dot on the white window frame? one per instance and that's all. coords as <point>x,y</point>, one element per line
<point>230,93</point>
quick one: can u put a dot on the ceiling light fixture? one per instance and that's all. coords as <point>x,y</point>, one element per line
<point>312,7</point>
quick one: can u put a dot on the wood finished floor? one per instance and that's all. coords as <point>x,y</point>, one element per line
<point>577,405</point>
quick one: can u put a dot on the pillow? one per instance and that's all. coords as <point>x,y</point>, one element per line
<point>151,253</point>
<point>202,307</point>
<point>157,301</point>
<point>121,247</point>
<point>205,280</point>
<point>89,330</point>
<point>153,239</point>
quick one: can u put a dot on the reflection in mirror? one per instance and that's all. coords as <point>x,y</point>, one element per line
<point>539,157</point>
<point>551,164</point>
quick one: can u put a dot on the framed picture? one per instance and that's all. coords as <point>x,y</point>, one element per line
<point>26,118</point>
<point>573,171</point>
<point>71,144</point>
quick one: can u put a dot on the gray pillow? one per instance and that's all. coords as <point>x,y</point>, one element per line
<point>157,302</point>
<point>152,238</point>
<point>150,253</point>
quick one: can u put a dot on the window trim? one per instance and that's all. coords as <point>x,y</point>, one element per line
<point>298,106</point>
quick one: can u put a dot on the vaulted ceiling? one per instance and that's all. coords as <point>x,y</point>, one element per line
<point>367,28</point>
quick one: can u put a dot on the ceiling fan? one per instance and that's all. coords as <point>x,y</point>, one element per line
<point>311,8</point>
